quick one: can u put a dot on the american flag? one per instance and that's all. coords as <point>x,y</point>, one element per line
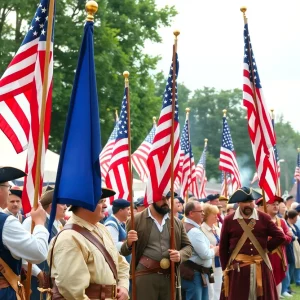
<point>188,181</point>
<point>159,159</point>
<point>226,185</point>
<point>259,122</point>
<point>276,152</point>
<point>297,178</point>
<point>118,173</point>
<point>21,98</point>
<point>140,156</point>
<point>106,153</point>
<point>228,163</point>
<point>201,173</point>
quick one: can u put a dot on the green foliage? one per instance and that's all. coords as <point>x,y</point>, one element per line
<point>121,30</point>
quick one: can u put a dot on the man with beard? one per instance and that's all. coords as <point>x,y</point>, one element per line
<point>152,250</point>
<point>278,256</point>
<point>245,240</point>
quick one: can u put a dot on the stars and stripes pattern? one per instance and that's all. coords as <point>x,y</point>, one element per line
<point>118,173</point>
<point>159,159</point>
<point>21,98</point>
<point>140,156</point>
<point>260,127</point>
<point>188,180</point>
<point>228,162</point>
<point>201,173</point>
<point>106,153</point>
<point>297,178</point>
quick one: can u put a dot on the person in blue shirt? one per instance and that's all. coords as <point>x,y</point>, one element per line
<point>116,222</point>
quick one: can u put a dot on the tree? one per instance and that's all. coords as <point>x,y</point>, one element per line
<point>121,30</point>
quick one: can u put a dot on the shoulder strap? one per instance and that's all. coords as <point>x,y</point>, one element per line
<point>278,221</point>
<point>188,226</point>
<point>13,279</point>
<point>240,244</point>
<point>255,242</point>
<point>93,240</point>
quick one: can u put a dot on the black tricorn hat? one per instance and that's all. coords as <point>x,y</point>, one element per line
<point>10,173</point>
<point>106,193</point>
<point>244,194</point>
<point>212,197</point>
<point>15,190</point>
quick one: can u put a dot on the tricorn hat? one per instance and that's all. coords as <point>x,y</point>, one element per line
<point>10,173</point>
<point>244,194</point>
<point>15,190</point>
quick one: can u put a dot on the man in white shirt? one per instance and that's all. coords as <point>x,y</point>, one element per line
<point>15,241</point>
<point>197,271</point>
<point>115,223</point>
<point>14,203</point>
<point>40,271</point>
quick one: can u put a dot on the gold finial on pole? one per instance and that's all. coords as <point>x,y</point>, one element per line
<point>187,111</point>
<point>298,149</point>
<point>176,33</point>
<point>205,142</point>
<point>272,113</point>
<point>154,120</point>
<point>126,76</point>
<point>117,116</point>
<point>224,113</point>
<point>91,8</point>
<point>243,9</point>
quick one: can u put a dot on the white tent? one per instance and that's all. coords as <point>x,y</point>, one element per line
<point>9,157</point>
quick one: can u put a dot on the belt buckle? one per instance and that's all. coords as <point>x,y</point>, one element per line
<point>114,291</point>
<point>164,263</point>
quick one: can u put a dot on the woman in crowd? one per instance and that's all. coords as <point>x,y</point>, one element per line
<point>292,251</point>
<point>213,234</point>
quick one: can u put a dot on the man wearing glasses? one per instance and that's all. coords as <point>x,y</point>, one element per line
<point>196,273</point>
<point>16,242</point>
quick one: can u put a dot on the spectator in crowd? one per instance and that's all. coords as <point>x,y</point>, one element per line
<point>288,201</point>
<point>14,203</point>
<point>212,232</point>
<point>293,253</point>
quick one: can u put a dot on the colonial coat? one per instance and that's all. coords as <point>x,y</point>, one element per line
<point>143,226</point>
<point>239,281</point>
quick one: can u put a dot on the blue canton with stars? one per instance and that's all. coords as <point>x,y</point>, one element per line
<point>247,56</point>
<point>226,136</point>
<point>168,91</point>
<point>123,122</point>
<point>202,160</point>
<point>275,147</point>
<point>114,134</point>
<point>185,140</point>
<point>38,25</point>
<point>150,136</point>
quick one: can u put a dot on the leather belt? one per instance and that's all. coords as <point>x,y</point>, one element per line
<point>245,260</point>
<point>3,283</point>
<point>93,291</point>
<point>152,266</point>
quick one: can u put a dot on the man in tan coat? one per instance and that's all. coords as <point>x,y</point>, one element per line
<point>79,269</point>
<point>153,253</point>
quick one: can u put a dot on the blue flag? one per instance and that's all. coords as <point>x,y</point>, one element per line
<point>78,180</point>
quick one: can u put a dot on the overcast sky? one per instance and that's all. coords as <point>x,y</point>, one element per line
<point>210,47</point>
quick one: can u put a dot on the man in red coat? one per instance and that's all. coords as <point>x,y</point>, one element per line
<point>278,256</point>
<point>243,247</point>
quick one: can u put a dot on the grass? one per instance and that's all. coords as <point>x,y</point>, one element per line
<point>297,290</point>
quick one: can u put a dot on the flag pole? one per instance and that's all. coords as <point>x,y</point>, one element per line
<point>41,131</point>
<point>225,173</point>
<point>204,169</point>
<point>133,258</point>
<point>243,9</point>
<point>172,239</point>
